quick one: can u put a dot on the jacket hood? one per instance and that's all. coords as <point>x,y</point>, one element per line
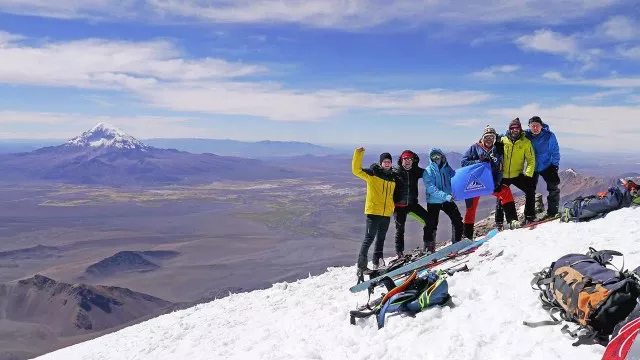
<point>416,158</point>
<point>437,151</point>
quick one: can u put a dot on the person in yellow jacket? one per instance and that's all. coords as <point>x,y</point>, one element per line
<point>518,150</point>
<point>378,207</point>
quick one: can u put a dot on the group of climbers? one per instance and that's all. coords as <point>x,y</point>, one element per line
<point>518,158</point>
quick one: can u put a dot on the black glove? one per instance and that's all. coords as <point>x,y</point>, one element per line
<point>497,188</point>
<point>553,167</point>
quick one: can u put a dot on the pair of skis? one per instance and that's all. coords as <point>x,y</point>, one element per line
<point>444,254</point>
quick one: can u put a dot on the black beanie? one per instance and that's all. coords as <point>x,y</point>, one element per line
<point>385,156</point>
<point>536,119</point>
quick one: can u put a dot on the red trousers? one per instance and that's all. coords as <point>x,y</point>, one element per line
<point>504,195</point>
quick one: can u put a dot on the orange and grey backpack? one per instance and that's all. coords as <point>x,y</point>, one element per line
<point>580,288</point>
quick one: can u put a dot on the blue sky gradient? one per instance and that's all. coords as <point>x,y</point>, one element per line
<point>324,71</point>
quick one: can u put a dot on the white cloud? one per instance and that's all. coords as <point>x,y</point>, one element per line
<point>494,70</point>
<point>613,82</point>
<point>161,76</point>
<point>620,28</point>
<point>612,39</point>
<point>473,122</point>
<point>278,103</point>
<point>317,13</point>
<point>545,40</point>
<point>631,53</point>
<point>68,125</point>
<point>109,64</point>
<point>601,95</point>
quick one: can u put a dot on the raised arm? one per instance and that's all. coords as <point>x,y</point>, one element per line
<point>356,164</point>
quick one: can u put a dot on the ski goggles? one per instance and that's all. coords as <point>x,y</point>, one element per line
<point>436,157</point>
<point>489,136</point>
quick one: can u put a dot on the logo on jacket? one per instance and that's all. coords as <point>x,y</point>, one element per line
<point>474,184</point>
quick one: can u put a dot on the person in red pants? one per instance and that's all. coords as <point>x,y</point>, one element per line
<point>489,151</point>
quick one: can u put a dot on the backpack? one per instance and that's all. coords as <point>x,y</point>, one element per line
<point>597,206</point>
<point>421,290</point>
<point>580,288</point>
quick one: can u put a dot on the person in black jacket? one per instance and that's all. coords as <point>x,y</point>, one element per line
<point>405,196</point>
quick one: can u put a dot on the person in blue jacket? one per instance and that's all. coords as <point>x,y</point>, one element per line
<point>437,181</point>
<point>547,151</point>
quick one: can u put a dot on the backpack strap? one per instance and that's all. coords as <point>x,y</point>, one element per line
<point>590,337</point>
<point>394,304</point>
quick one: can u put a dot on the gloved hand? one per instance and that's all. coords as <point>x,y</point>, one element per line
<point>553,167</point>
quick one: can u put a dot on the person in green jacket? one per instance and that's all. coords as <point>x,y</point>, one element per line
<point>518,150</point>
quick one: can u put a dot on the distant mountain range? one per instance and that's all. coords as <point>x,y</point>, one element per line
<point>247,149</point>
<point>105,155</point>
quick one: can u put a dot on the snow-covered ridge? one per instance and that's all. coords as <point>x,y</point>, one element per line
<point>309,318</point>
<point>106,135</point>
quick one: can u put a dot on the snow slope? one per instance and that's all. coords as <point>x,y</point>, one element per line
<point>309,319</point>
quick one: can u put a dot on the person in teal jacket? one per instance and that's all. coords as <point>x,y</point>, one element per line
<point>437,182</point>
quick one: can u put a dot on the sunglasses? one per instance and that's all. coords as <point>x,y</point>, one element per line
<point>489,136</point>
<point>514,128</point>
<point>436,157</point>
<point>407,159</point>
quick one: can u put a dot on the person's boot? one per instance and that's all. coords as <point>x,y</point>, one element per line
<point>430,247</point>
<point>467,231</point>
<point>511,215</point>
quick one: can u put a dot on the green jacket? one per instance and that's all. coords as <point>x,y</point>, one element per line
<point>515,155</point>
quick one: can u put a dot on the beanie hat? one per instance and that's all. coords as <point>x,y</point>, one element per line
<point>406,154</point>
<point>515,122</point>
<point>536,119</point>
<point>488,130</point>
<point>385,155</point>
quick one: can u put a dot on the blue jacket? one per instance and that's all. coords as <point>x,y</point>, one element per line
<point>545,145</point>
<point>477,151</point>
<point>437,180</point>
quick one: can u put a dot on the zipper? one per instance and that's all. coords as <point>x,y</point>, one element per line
<point>409,187</point>
<point>384,207</point>
<point>513,146</point>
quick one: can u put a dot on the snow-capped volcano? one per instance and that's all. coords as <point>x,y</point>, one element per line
<point>107,136</point>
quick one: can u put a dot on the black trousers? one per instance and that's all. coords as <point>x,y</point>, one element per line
<point>433,215</point>
<point>377,227</point>
<point>400,216</point>
<point>527,186</point>
<point>551,177</point>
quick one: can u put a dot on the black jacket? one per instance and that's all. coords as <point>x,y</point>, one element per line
<point>406,192</point>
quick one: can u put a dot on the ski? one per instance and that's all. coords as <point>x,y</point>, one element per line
<point>425,260</point>
<point>482,240</point>
<point>534,224</point>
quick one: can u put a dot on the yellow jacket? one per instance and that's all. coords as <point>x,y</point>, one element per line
<point>379,190</point>
<point>514,156</point>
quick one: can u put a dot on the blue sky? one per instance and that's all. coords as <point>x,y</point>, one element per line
<point>353,72</point>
